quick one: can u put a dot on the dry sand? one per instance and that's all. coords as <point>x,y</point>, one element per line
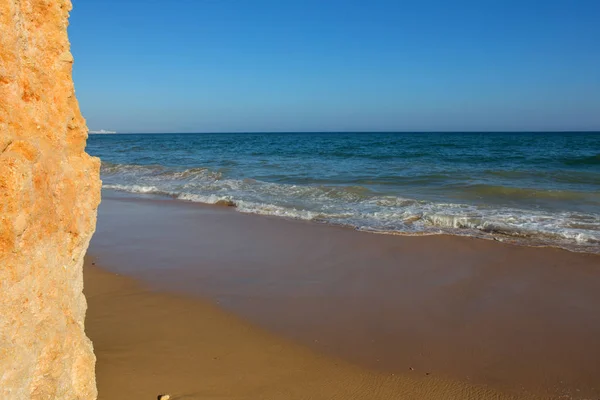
<point>334,313</point>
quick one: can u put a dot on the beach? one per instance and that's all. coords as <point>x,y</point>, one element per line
<point>211,303</point>
<point>150,343</point>
<point>299,200</point>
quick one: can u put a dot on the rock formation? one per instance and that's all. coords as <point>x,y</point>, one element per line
<point>49,193</point>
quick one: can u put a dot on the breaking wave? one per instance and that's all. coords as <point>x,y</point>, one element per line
<point>361,208</point>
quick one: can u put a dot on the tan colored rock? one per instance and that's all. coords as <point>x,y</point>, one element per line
<point>49,193</point>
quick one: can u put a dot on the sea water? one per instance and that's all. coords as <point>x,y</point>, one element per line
<point>530,188</point>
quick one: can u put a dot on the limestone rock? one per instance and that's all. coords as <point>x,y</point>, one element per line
<point>49,193</point>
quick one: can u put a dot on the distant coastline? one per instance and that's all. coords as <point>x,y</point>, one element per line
<point>101,132</point>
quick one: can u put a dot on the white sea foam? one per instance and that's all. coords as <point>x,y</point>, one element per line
<point>134,188</point>
<point>359,207</point>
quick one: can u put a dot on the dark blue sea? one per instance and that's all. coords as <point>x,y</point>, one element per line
<point>529,188</point>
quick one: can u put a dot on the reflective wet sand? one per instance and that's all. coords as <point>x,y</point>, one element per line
<point>472,312</point>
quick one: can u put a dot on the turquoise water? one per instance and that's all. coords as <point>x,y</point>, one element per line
<point>531,188</point>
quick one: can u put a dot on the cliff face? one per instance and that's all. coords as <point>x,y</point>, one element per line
<point>49,192</point>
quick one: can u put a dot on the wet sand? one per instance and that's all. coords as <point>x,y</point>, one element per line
<point>150,343</point>
<point>446,309</point>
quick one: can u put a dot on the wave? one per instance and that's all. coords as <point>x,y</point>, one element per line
<point>528,193</point>
<point>361,208</point>
<point>587,160</point>
<point>560,176</point>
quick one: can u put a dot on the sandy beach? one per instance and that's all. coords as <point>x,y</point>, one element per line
<point>150,343</point>
<point>210,303</point>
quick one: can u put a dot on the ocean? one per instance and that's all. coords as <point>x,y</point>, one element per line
<point>539,189</point>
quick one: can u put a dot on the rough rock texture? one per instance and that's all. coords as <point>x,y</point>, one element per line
<point>49,192</point>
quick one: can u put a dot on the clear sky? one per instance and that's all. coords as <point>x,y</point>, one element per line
<point>337,65</point>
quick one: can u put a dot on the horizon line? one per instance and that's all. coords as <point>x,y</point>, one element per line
<point>333,132</point>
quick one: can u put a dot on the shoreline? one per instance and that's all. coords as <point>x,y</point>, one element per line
<point>473,233</point>
<point>515,318</point>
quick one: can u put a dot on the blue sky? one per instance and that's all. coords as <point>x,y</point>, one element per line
<point>333,65</point>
